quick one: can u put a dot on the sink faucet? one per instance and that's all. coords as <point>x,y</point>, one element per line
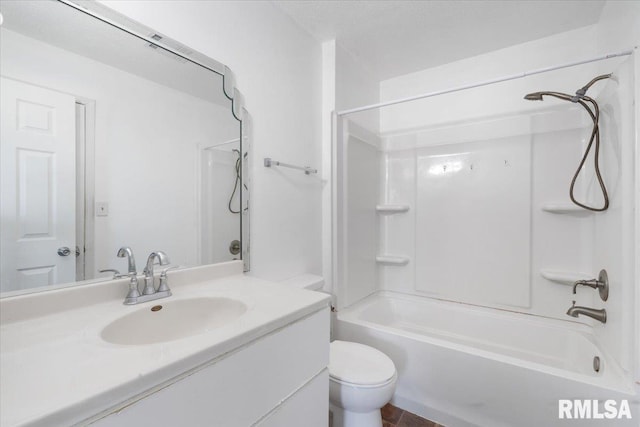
<point>134,293</point>
<point>599,315</point>
<point>149,292</point>
<point>163,259</point>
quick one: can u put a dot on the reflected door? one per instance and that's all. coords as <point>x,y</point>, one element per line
<point>37,186</point>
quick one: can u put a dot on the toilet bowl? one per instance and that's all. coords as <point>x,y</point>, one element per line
<point>361,381</point>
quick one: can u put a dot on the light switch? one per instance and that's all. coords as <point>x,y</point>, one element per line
<point>102,209</point>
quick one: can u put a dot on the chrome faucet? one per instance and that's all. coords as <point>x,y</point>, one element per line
<point>163,259</point>
<point>149,292</point>
<point>599,315</point>
<point>131,261</point>
<point>134,293</point>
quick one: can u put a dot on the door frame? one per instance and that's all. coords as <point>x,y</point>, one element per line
<point>85,188</point>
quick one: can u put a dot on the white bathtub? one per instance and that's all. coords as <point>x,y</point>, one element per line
<point>464,365</point>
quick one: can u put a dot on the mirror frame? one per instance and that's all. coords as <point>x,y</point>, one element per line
<point>119,21</point>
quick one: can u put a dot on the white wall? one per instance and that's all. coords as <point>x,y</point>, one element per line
<point>493,100</point>
<point>356,86</point>
<point>278,69</point>
<point>347,83</point>
<point>146,173</point>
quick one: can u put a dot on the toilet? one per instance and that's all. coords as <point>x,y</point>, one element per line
<point>361,381</point>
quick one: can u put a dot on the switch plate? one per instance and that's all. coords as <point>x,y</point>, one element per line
<point>102,209</point>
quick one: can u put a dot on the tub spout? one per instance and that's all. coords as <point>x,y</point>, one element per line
<point>599,315</point>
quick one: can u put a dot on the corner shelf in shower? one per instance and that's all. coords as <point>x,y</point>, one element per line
<point>564,277</point>
<point>392,260</point>
<point>565,208</point>
<point>392,209</point>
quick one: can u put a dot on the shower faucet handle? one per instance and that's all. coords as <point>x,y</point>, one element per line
<point>601,284</point>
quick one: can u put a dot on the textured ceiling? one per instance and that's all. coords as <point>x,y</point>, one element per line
<point>393,38</point>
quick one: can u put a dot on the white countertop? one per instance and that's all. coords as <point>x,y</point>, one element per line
<point>56,370</point>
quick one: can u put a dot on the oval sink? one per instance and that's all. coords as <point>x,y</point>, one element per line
<point>172,320</point>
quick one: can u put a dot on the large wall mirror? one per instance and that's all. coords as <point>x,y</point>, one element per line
<point>112,135</point>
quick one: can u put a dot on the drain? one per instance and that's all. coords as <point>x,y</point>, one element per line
<point>596,364</point>
<point>156,308</point>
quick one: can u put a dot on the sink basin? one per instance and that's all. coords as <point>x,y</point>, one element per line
<point>172,320</point>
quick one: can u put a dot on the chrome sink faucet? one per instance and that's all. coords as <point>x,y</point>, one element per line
<point>599,315</point>
<point>149,293</point>
<point>163,259</point>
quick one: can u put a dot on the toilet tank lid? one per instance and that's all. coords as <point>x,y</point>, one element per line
<point>359,364</point>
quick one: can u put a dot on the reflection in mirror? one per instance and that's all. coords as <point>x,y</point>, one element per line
<point>110,140</point>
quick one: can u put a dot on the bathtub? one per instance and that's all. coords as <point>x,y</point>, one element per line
<point>464,365</point>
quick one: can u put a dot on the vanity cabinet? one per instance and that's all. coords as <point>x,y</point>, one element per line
<point>280,379</point>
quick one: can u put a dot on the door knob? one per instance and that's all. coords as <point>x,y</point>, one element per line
<point>64,251</point>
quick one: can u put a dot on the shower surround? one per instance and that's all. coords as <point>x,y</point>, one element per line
<point>460,245</point>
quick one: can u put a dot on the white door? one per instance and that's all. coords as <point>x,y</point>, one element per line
<point>37,186</point>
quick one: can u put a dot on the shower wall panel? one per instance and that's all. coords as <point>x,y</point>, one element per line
<point>362,224</point>
<point>397,231</point>
<point>473,221</point>
<point>478,229</point>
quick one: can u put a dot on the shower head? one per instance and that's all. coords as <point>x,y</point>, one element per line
<point>535,96</point>
<point>580,93</point>
<point>583,100</point>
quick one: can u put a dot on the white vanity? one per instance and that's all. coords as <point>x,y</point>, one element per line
<point>260,359</point>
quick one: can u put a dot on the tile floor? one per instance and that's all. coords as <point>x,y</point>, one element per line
<point>393,416</point>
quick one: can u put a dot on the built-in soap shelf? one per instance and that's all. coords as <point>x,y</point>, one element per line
<point>564,277</point>
<point>392,209</point>
<point>564,208</point>
<point>392,260</point>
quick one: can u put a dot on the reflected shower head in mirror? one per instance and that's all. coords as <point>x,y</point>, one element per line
<point>581,98</point>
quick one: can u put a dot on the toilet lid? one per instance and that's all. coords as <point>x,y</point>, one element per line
<point>359,364</point>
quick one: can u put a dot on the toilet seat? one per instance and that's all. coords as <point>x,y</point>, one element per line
<point>359,365</point>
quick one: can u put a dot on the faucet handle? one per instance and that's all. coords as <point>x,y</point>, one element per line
<point>601,284</point>
<point>164,286</point>
<point>164,272</point>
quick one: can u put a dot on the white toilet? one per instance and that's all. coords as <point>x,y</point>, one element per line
<point>361,381</point>
<point>361,378</point>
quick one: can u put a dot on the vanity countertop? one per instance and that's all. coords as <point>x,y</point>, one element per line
<point>57,370</point>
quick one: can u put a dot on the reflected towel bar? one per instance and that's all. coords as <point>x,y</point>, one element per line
<point>268,162</point>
